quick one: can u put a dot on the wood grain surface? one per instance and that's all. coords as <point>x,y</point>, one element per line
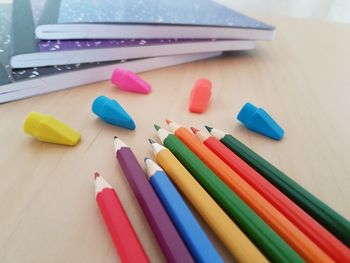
<point>47,207</point>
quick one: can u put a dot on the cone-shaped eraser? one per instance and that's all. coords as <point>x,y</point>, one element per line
<point>46,128</point>
<point>200,95</point>
<point>111,112</point>
<point>129,81</point>
<point>258,120</point>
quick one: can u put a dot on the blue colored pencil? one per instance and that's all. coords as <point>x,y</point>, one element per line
<point>186,224</point>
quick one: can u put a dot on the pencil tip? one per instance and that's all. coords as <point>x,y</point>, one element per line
<point>115,137</point>
<point>151,141</point>
<point>157,127</point>
<point>194,130</point>
<point>146,158</point>
<point>168,121</point>
<point>97,175</point>
<point>208,128</point>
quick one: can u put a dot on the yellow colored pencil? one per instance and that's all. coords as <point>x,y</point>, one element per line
<point>225,229</point>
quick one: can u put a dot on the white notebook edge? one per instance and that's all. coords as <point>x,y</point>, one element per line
<point>38,86</point>
<point>41,59</point>
<point>108,31</point>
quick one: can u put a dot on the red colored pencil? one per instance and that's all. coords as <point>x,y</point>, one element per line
<point>309,226</point>
<point>123,235</point>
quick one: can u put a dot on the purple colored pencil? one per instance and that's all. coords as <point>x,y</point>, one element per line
<point>168,238</point>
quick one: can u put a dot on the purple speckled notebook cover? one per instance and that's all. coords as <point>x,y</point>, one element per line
<point>60,45</point>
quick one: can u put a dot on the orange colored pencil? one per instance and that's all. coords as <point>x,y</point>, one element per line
<point>287,230</point>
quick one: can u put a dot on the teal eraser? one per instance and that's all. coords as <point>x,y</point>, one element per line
<point>110,111</point>
<point>258,120</point>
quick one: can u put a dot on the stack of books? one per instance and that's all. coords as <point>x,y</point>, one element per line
<point>49,45</point>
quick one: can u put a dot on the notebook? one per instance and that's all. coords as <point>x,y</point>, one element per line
<point>30,52</point>
<point>21,83</point>
<point>29,83</point>
<point>112,19</point>
<point>63,52</point>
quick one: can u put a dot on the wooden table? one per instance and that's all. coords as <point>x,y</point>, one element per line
<point>47,207</point>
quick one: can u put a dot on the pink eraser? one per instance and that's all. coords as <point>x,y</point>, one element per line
<point>129,81</point>
<point>200,95</point>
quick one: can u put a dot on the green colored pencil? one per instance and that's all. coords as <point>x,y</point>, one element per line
<point>326,216</point>
<point>268,241</point>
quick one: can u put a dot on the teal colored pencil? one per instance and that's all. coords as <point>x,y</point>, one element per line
<point>268,241</point>
<point>326,216</point>
<point>186,224</point>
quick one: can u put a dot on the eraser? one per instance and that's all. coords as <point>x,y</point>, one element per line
<point>47,128</point>
<point>258,120</point>
<point>200,95</point>
<point>112,112</point>
<point>129,81</point>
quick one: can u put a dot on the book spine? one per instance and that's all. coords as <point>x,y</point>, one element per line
<point>50,12</point>
<point>23,36</point>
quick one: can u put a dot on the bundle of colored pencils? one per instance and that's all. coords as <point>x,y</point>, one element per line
<point>256,211</point>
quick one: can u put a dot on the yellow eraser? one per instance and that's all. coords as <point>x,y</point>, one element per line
<point>47,128</point>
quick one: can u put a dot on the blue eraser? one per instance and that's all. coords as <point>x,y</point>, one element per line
<point>112,112</point>
<point>258,120</point>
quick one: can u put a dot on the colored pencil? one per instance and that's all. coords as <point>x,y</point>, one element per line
<point>168,239</point>
<point>191,232</point>
<point>310,227</point>
<point>223,227</point>
<point>326,216</point>
<point>123,235</point>
<point>268,241</point>
<point>278,222</point>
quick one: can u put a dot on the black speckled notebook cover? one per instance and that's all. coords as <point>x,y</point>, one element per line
<point>16,32</point>
<point>154,12</point>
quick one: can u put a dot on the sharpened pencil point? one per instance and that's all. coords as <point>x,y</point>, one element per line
<point>157,127</point>
<point>151,141</point>
<point>168,121</point>
<point>208,128</point>
<point>97,175</point>
<point>194,130</point>
<point>115,137</point>
<point>146,158</point>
